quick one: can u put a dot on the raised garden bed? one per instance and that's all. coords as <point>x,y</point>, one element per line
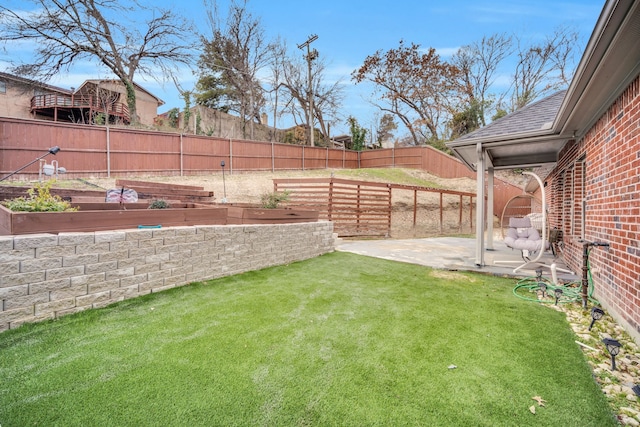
<point>113,216</point>
<point>254,215</point>
<point>94,214</point>
<point>109,216</point>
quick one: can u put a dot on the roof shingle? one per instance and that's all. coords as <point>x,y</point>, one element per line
<point>537,116</point>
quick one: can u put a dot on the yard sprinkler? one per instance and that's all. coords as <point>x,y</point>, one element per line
<point>224,184</point>
<point>596,314</point>
<point>613,347</point>
<point>52,150</point>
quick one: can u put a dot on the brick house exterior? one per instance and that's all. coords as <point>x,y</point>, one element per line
<point>589,145</point>
<point>595,196</point>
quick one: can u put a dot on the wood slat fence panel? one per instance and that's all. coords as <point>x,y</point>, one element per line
<point>357,208</point>
<point>99,151</point>
<point>361,208</point>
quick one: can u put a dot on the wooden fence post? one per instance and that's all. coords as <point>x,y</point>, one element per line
<point>460,216</point>
<point>441,207</point>
<point>230,155</point>
<point>415,205</point>
<point>181,156</point>
<point>108,153</point>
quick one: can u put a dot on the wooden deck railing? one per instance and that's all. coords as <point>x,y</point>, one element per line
<point>41,102</point>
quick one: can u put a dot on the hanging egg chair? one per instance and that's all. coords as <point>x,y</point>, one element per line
<point>524,225</point>
<point>521,206</point>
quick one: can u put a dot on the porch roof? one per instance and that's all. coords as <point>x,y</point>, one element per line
<point>535,134</point>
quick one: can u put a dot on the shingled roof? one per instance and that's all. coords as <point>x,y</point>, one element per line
<point>537,116</point>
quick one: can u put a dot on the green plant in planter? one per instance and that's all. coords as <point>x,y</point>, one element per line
<point>159,204</point>
<point>272,200</point>
<point>40,199</point>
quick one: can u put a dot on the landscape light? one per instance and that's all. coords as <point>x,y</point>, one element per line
<point>558,293</point>
<point>596,314</point>
<point>613,347</point>
<point>538,274</point>
<point>543,288</point>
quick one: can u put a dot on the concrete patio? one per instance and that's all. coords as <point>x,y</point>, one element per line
<point>455,254</point>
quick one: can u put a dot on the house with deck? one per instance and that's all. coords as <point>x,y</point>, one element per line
<point>95,101</point>
<point>588,137</point>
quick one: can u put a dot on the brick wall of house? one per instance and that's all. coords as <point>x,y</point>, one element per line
<point>45,276</point>
<point>606,162</point>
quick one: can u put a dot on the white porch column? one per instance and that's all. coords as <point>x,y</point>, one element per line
<point>480,206</point>
<point>490,174</point>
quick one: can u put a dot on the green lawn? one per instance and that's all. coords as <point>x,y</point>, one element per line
<point>339,340</point>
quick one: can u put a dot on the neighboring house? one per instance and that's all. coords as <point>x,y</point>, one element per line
<point>90,103</point>
<point>590,135</point>
<point>16,94</point>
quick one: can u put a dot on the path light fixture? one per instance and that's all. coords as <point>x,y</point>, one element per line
<point>558,293</point>
<point>596,314</point>
<point>613,347</point>
<point>224,184</point>
<point>52,150</point>
<point>543,288</point>
<point>538,275</point>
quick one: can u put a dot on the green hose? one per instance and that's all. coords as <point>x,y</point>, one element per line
<point>529,288</point>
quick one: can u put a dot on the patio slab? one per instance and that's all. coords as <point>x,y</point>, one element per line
<point>455,254</point>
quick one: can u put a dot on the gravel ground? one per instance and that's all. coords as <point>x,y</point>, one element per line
<point>616,385</point>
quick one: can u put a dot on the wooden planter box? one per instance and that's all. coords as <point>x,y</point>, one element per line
<point>113,216</point>
<point>252,215</point>
<point>109,216</point>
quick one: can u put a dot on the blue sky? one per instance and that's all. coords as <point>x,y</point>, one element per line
<point>350,30</point>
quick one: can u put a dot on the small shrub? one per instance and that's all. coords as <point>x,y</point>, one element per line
<point>174,117</point>
<point>40,199</point>
<point>100,119</point>
<point>272,200</point>
<point>159,204</point>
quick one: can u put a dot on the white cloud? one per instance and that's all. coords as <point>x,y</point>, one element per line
<point>447,51</point>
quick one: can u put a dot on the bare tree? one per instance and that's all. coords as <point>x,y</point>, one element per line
<point>416,87</point>
<point>67,31</point>
<point>278,62</point>
<point>327,97</point>
<point>478,63</point>
<point>543,68</point>
<point>385,129</point>
<point>237,51</point>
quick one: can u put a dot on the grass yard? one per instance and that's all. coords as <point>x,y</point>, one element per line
<point>338,340</point>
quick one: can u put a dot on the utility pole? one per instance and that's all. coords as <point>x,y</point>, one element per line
<point>311,55</point>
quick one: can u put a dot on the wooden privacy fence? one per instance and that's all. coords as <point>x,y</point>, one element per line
<point>100,151</point>
<point>359,208</point>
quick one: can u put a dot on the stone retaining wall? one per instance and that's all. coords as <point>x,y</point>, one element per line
<point>44,276</point>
